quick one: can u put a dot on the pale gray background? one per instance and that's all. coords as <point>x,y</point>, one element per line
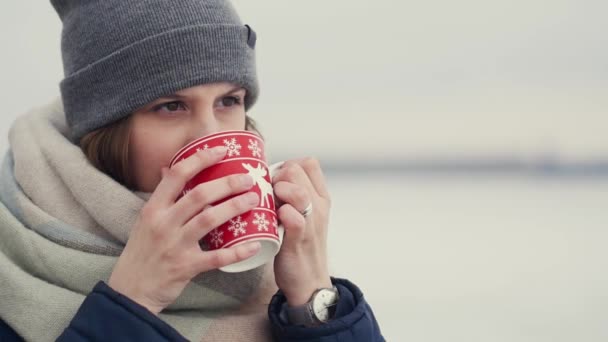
<point>506,254</point>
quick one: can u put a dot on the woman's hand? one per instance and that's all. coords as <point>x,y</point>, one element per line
<point>301,265</point>
<point>163,252</point>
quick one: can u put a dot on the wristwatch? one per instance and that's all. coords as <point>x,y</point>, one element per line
<point>319,309</point>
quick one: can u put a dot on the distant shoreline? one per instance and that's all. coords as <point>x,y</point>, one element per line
<point>595,168</point>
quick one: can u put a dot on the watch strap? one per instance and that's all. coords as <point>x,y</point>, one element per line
<point>304,314</point>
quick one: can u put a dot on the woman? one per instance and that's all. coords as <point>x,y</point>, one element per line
<point>95,244</point>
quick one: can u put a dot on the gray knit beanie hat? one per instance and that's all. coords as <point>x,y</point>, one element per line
<point>119,55</point>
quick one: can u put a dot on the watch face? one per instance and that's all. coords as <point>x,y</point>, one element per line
<point>322,301</point>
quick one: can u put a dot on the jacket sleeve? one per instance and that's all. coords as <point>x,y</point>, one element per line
<point>353,321</point>
<point>106,315</point>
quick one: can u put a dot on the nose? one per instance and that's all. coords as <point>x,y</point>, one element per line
<point>203,122</point>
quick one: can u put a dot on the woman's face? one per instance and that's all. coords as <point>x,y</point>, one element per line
<point>160,128</point>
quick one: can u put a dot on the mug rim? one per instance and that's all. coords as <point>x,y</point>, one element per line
<point>200,140</point>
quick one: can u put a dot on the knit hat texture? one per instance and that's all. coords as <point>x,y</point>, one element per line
<point>120,55</point>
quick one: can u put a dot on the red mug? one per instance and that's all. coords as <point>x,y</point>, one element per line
<point>245,155</point>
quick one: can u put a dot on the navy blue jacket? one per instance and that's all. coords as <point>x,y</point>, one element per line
<point>104,307</point>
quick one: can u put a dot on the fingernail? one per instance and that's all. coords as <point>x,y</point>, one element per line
<point>246,180</point>
<point>251,198</point>
<point>253,247</point>
<point>219,150</point>
<point>273,176</point>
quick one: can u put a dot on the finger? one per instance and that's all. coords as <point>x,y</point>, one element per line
<point>206,193</point>
<point>272,169</point>
<point>293,194</point>
<point>312,167</point>
<point>211,260</point>
<point>174,180</point>
<point>294,224</point>
<point>292,172</point>
<point>211,218</point>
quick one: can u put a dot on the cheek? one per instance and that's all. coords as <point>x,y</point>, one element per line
<point>235,120</point>
<point>149,153</point>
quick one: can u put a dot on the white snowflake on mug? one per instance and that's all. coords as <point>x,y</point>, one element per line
<point>237,226</point>
<point>254,148</point>
<point>234,149</point>
<point>261,221</point>
<point>205,147</point>
<point>275,225</point>
<point>216,237</point>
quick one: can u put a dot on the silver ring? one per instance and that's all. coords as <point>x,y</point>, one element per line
<point>307,211</point>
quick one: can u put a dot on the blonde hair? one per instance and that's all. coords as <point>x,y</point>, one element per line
<point>107,149</point>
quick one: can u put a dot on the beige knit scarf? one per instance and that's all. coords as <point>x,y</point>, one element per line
<point>63,225</point>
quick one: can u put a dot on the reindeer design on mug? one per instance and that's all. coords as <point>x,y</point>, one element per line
<point>258,173</point>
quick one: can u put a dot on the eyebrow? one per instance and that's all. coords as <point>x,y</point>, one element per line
<point>180,96</point>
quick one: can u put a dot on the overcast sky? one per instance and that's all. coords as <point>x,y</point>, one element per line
<point>383,78</point>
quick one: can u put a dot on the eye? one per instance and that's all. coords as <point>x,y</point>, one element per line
<point>230,101</point>
<point>172,106</point>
